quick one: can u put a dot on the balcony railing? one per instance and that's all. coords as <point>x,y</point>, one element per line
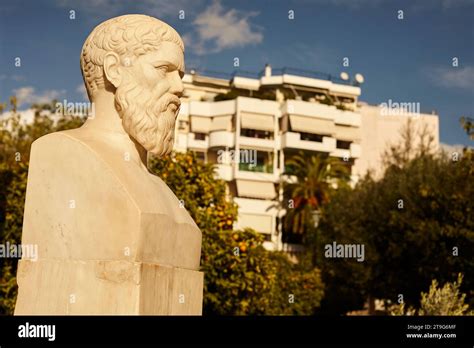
<point>301,72</point>
<point>259,168</point>
<point>245,73</point>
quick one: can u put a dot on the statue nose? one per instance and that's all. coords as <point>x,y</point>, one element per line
<point>177,87</point>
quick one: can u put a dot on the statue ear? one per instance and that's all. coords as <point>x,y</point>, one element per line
<point>113,68</point>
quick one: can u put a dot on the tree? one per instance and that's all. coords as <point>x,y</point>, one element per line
<point>416,224</point>
<point>314,178</point>
<point>240,276</point>
<point>15,143</point>
<point>467,124</point>
<point>447,300</point>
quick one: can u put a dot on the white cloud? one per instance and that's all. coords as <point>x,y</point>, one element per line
<point>81,89</point>
<point>451,148</point>
<point>452,77</point>
<point>28,95</point>
<point>218,29</point>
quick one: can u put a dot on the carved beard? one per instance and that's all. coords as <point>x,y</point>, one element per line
<point>148,116</point>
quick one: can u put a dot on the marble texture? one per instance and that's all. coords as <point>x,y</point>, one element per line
<point>112,237</point>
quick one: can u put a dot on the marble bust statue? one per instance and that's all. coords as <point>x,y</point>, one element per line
<point>112,237</point>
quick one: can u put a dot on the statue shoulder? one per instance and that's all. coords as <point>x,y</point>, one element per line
<point>66,137</point>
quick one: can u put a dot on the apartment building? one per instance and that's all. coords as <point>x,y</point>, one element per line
<point>249,125</point>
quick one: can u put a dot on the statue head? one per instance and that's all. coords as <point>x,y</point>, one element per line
<point>141,60</point>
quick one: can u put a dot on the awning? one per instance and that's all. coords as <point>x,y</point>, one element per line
<point>255,189</point>
<point>311,125</point>
<point>347,133</point>
<point>257,121</point>
<point>200,124</point>
<point>260,223</point>
<point>223,123</point>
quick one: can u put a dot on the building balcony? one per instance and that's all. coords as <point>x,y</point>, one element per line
<point>196,144</point>
<point>246,83</point>
<point>353,152</point>
<point>256,176</point>
<point>258,168</point>
<point>224,172</point>
<point>293,140</point>
<point>347,118</point>
<point>257,143</point>
<point>257,214</point>
<point>259,106</point>
<point>199,108</point>
<point>222,139</point>
<point>262,223</point>
<point>311,109</point>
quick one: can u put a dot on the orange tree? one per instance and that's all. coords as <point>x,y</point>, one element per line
<point>16,138</point>
<point>241,277</point>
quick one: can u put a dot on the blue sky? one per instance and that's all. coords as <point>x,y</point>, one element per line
<point>408,60</point>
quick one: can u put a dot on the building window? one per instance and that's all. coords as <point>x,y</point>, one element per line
<point>263,163</point>
<point>341,144</point>
<point>254,133</point>
<point>199,136</point>
<point>311,137</point>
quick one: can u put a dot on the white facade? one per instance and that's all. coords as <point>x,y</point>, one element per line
<point>297,119</point>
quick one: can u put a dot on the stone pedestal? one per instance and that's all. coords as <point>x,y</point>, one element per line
<point>59,287</point>
<point>112,238</point>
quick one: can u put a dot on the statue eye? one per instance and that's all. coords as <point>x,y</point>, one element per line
<point>162,68</point>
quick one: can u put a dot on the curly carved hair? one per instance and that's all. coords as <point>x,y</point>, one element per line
<point>128,36</point>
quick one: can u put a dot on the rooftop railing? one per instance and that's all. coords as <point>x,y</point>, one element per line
<point>275,72</point>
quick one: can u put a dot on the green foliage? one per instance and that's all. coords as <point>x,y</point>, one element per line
<point>15,143</point>
<point>233,94</point>
<point>467,124</point>
<point>447,300</point>
<point>298,289</point>
<point>240,276</point>
<point>444,301</point>
<point>416,223</point>
<point>227,96</point>
<point>405,247</point>
<point>314,178</point>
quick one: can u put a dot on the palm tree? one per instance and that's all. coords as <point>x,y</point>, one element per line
<point>315,177</point>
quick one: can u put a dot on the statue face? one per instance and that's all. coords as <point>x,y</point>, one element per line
<point>147,98</point>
